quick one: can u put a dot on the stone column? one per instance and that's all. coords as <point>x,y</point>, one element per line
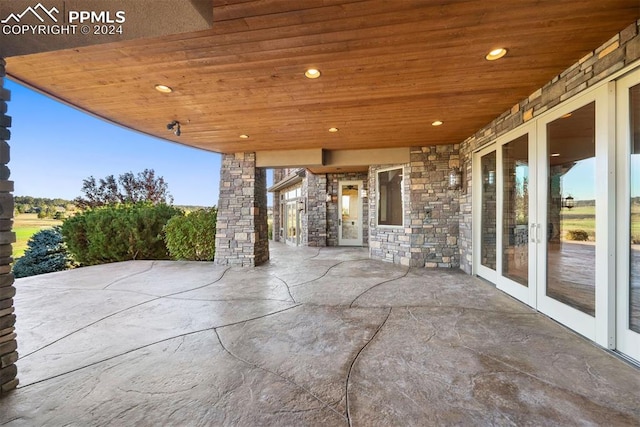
<point>241,231</point>
<point>8,344</point>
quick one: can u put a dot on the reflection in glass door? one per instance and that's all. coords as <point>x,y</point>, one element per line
<point>571,209</point>
<point>488,222</point>
<point>517,224</point>
<point>628,220</point>
<point>515,210</point>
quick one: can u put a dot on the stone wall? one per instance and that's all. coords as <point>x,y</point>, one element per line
<point>314,229</point>
<point>593,68</point>
<point>333,181</point>
<point>431,213</point>
<point>241,231</point>
<point>8,343</point>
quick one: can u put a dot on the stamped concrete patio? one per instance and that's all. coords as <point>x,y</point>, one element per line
<point>315,337</point>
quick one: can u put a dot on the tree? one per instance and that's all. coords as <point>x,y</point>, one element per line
<point>127,189</point>
<point>46,253</point>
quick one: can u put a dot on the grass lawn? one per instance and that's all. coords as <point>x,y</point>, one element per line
<point>25,226</point>
<point>584,218</point>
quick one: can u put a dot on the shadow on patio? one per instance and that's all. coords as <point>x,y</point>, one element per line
<point>314,337</point>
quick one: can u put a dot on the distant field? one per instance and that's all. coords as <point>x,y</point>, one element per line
<point>25,226</point>
<point>584,218</point>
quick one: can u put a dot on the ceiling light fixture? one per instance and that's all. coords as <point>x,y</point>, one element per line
<point>163,89</point>
<point>333,130</point>
<point>555,154</point>
<point>437,123</point>
<point>566,116</point>
<point>496,54</point>
<point>244,136</point>
<point>312,73</point>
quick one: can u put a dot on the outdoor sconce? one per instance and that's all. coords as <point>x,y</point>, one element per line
<point>363,193</point>
<point>568,202</point>
<point>328,198</point>
<point>455,179</point>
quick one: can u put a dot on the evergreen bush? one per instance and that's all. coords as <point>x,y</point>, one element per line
<point>192,237</point>
<point>118,233</point>
<point>46,253</point>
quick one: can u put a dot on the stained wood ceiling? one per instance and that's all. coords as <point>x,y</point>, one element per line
<point>389,69</point>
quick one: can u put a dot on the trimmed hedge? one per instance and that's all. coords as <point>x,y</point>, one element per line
<point>192,237</point>
<point>118,233</point>
<point>46,253</point>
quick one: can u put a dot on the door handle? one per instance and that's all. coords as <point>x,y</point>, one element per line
<point>339,221</point>
<point>532,232</point>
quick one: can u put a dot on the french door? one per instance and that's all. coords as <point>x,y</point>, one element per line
<point>350,213</point>
<point>542,229</point>
<point>628,216</point>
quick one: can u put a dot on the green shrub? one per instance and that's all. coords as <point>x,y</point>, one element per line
<point>118,233</point>
<point>46,253</point>
<point>193,236</point>
<point>579,235</point>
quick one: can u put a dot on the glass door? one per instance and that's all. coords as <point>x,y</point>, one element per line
<point>628,219</point>
<point>485,214</point>
<point>292,223</point>
<point>574,179</point>
<point>516,215</point>
<point>350,213</point>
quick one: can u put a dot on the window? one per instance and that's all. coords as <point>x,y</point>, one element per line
<point>390,209</point>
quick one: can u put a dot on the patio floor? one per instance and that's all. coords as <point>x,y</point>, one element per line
<point>315,337</point>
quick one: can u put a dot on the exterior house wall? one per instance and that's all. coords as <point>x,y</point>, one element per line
<point>429,236</point>
<point>618,52</point>
<point>8,343</point>
<point>314,220</point>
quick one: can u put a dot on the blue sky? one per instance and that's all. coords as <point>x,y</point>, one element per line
<point>54,147</point>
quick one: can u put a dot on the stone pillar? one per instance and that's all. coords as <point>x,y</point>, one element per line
<point>241,231</point>
<point>8,344</point>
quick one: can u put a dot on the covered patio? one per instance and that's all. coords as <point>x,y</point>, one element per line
<point>316,336</point>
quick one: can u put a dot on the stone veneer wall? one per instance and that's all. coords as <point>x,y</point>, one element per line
<point>314,219</point>
<point>8,343</point>
<point>241,231</point>
<point>431,220</point>
<point>618,52</point>
<point>333,180</point>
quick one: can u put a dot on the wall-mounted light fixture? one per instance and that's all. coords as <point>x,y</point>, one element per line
<point>455,178</point>
<point>328,198</point>
<point>175,127</point>
<point>363,193</point>
<point>568,202</point>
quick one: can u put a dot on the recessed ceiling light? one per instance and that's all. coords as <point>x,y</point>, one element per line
<point>566,116</point>
<point>496,54</point>
<point>312,73</point>
<point>555,154</point>
<point>244,136</point>
<point>437,123</point>
<point>163,88</point>
<point>333,129</point>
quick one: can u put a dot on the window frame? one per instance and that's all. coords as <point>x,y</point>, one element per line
<point>379,197</point>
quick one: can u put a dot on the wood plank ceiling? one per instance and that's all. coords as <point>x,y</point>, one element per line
<point>389,69</point>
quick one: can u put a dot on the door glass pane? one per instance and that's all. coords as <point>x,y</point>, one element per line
<point>488,226</point>
<point>571,209</point>
<point>634,259</point>
<point>515,215</point>
<point>350,211</point>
